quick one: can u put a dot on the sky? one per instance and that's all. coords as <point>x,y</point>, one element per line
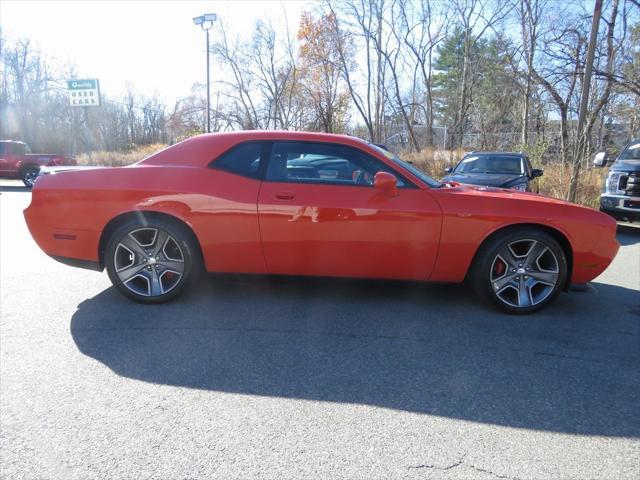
<point>151,44</point>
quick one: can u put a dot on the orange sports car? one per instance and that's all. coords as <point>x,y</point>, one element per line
<point>293,203</point>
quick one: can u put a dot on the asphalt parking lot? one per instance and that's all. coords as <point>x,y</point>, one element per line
<point>250,378</point>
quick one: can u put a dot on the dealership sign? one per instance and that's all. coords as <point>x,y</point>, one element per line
<point>84,93</point>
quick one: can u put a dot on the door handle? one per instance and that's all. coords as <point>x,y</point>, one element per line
<point>285,195</point>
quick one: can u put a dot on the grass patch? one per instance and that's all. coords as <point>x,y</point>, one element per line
<point>118,159</point>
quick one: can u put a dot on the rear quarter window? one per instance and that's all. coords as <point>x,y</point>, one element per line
<point>243,159</point>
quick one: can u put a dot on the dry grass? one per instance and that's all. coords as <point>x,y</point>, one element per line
<point>556,178</point>
<point>118,159</point>
<point>554,182</point>
<point>433,162</point>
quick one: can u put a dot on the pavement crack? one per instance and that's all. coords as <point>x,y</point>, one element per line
<point>460,463</point>
<point>485,470</point>
<point>436,467</point>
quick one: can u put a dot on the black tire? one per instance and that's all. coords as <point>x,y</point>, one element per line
<point>522,283</point>
<point>161,278</point>
<point>29,174</point>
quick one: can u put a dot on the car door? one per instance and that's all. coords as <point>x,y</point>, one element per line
<point>316,219</point>
<point>227,219</point>
<point>5,153</point>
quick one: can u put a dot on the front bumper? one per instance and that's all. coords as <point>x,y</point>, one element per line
<point>621,207</point>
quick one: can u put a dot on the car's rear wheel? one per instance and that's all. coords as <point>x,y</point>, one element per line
<point>520,270</point>
<point>152,262</point>
<point>28,175</point>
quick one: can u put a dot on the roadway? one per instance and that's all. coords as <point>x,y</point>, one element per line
<point>251,378</point>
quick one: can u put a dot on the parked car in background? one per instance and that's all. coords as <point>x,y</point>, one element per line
<point>620,196</point>
<point>295,203</point>
<point>496,169</point>
<point>17,161</point>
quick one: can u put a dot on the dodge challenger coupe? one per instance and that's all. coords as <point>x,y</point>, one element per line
<point>293,203</point>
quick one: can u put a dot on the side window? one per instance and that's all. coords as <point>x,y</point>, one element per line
<point>2,148</point>
<point>18,148</point>
<point>302,162</point>
<point>243,159</point>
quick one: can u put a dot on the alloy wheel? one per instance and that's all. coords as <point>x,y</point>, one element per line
<point>149,262</point>
<point>29,178</point>
<point>524,273</point>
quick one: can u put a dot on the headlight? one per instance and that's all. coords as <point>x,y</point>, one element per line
<point>613,179</point>
<point>520,186</point>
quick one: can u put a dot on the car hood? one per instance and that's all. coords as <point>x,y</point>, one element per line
<point>489,179</point>
<point>507,193</point>
<point>626,166</point>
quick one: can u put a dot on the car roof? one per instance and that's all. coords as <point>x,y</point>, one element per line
<point>499,154</point>
<point>202,149</point>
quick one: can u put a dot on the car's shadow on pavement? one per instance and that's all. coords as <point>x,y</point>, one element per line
<point>13,188</point>
<point>628,234</point>
<point>433,350</point>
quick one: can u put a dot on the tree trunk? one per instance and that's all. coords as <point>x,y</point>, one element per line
<point>525,112</point>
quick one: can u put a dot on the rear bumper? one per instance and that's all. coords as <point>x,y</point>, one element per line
<point>79,263</point>
<point>69,246</point>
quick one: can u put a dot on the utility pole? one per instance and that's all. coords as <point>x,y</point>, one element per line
<point>584,102</point>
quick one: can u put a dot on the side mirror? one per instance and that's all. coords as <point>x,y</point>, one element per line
<point>601,159</point>
<point>536,172</point>
<point>448,170</point>
<point>387,183</point>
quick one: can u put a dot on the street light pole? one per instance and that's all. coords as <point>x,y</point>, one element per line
<point>208,88</point>
<point>206,22</point>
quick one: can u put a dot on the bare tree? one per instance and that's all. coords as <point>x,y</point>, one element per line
<point>558,66</point>
<point>476,18</point>
<point>363,20</point>
<point>277,75</point>
<point>530,17</point>
<point>424,28</point>
<point>234,56</point>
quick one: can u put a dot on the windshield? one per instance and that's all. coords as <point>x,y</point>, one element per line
<point>491,164</point>
<point>632,152</point>
<point>408,167</point>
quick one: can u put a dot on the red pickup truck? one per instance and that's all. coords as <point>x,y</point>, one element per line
<point>17,161</point>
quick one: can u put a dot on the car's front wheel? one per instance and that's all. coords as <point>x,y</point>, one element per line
<point>520,270</point>
<point>152,262</point>
<point>29,176</point>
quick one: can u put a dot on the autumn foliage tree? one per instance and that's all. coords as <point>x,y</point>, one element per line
<point>321,75</point>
